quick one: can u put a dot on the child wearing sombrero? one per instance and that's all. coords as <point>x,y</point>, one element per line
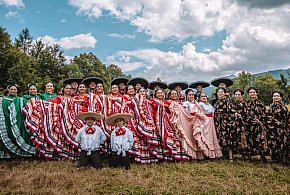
<point>121,140</point>
<point>90,137</point>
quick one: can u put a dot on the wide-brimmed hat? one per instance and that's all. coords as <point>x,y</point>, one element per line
<point>112,119</point>
<point>144,82</point>
<point>182,84</point>
<point>162,85</point>
<point>118,80</point>
<point>71,80</point>
<point>93,79</point>
<point>203,84</point>
<point>216,82</point>
<point>82,116</point>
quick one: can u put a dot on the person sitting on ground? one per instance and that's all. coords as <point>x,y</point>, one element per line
<point>121,140</point>
<point>90,137</point>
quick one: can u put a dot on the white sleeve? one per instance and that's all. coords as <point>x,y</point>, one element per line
<point>79,136</point>
<point>130,138</point>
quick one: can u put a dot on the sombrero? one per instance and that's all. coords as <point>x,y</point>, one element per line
<point>162,85</point>
<point>112,119</point>
<point>118,80</point>
<point>203,84</point>
<point>182,84</point>
<point>216,82</point>
<point>93,79</point>
<point>144,82</point>
<point>71,80</point>
<point>82,116</point>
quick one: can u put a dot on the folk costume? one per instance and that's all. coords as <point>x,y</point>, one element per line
<point>122,140</point>
<point>14,137</point>
<point>278,131</point>
<point>90,139</point>
<point>256,129</point>
<point>209,130</point>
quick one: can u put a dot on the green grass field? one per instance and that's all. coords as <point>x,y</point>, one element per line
<point>204,177</point>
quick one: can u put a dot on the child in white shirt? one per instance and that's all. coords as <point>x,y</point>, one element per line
<point>121,140</point>
<point>90,137</point>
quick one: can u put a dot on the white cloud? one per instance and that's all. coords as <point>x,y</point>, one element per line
<point>123,36</point>
<point>73,42</point>
<point>10,3</point>
<point>12,14</point>
<point>258,35</point>
<point>63,20</point>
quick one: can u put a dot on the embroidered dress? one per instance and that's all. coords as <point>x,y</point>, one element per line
<point>82,101</point>
<point>97,103</point>
<point>188,128</point>
<point>69,126</point>
<point>140,149</point>
<point>214,150</point>
<point>256,130</point>
<point>224,113</point>
<point>278,130</point>
<point>146,127</point>
<point>240,145</point>
<point>15,138</point>
<point>170,143</point>
<point>42,120</point>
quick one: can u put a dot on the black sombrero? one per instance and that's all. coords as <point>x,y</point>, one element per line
<point>144,82</point>
<point>93,79</point>
<point>162,85</point>
<point>216,82</point>
<point>203,84</point>
<point>118,80</point>
<point>182,84</point>
<point>71,80</point>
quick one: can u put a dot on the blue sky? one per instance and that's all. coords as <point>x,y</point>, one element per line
<point>171,39</point>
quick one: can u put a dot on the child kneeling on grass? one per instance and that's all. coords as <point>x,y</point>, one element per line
<point>90,137</point>
<point>121,140</point>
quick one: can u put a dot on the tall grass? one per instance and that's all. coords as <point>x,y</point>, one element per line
<point>206,177</point>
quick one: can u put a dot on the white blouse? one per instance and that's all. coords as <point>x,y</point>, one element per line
<point>190,106</point>
<point>208,108</point>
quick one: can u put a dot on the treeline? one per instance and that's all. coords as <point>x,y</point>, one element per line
<point>265,84</point>
<point>25,60</point>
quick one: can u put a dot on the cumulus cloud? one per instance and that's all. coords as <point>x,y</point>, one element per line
<point>257,39</point>
<point>123,36</point>
<point>73,42</point>
<point>12,3</point>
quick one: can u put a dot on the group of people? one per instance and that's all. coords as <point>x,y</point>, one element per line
<point>165,126</point>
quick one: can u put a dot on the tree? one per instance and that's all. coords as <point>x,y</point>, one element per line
<point>24,41</point>
<point>266,84</point>
<point>5,47</point>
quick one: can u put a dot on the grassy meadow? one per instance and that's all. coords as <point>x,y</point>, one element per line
<point>197,177</point>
